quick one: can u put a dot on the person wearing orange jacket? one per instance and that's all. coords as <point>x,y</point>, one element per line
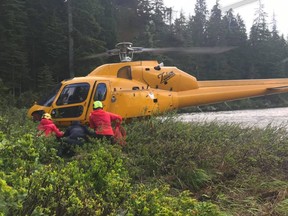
<point>47,127</point>
<point>101,121</point>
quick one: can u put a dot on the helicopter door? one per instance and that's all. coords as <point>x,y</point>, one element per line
<point>71,103</point>
<point>100,93</point>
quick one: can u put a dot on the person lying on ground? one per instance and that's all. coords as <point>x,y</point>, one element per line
<point>77,134</point>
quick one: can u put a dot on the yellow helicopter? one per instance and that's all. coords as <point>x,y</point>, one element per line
<point>143,88</point>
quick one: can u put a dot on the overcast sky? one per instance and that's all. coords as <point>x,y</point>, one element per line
<point>247,12</point>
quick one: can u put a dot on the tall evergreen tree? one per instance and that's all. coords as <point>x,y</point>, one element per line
<point>197,24</point>
<point>45,80</point>
<point>235,35</point>
<point>88,16</point>
<point>55,41</point>
<point>235,29</point>
<point>13,54</point>
<point>197,36</point>
<point>144,11</point>
<point>279,51</point>
<point>215,28</point>
<point>259,48</point>
<point>146,33</point>
<point>106,16</point>
<point>130,18</point>
<point>161,29</point>
<point>259,30</point>
<point>47,38</point>
<point>180,29</point>
<point>215,37</point>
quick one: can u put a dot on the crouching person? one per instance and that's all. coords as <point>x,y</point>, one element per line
<point>47,127</point>
<point>101,121</point>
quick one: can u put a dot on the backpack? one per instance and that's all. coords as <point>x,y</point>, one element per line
<point>120,135</point>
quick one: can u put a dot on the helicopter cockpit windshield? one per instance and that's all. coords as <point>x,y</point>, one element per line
<point>73,93</point>
<point>49,98</point>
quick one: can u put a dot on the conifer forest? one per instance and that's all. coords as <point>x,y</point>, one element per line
<point>38,38</point>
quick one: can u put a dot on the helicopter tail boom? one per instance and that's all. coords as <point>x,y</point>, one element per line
<point>278,89</point>
<point>218,91</point>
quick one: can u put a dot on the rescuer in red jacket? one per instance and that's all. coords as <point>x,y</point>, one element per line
<point>47,127</point>
<point>101,121</point>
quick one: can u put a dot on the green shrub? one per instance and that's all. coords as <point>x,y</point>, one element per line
<point>220,162</point>
<point>167,167</point>
<point>158,201</point>
<point>34,180</point>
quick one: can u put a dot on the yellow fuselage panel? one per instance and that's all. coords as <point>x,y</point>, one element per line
<point>247,82</point>
<point>167,78</point>
<point>170,79</point>
<point>112,69</point>
<point>216,92</point>
<point>137,103</point>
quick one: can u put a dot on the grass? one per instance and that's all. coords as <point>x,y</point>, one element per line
<point>243,170</point>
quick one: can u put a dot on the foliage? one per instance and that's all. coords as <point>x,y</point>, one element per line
<point>34,180</point>
<point>13,55</point>
<point>159,154</point>
<point>155,201</point>
<point>243,170</point>
<point>167,167</point>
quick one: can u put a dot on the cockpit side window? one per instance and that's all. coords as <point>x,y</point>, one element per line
<point>125,72</point>
<point>74,93</point>
<point>101,92</point>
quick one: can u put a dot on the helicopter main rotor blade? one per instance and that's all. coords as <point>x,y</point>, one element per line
<point>191,50</point>
<point>113,52</point>
<point>237,4</point>
<point>93,56</point>
<point>107,53</point>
